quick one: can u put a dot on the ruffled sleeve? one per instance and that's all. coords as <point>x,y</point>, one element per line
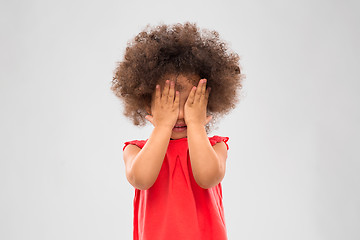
<point>215,139</point>
<point>139,143</point>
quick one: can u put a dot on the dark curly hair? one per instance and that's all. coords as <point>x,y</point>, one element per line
<point>176,49</point>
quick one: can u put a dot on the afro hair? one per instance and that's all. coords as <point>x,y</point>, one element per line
<point>177,49</point>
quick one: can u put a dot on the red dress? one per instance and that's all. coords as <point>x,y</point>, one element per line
<point>176,207</point>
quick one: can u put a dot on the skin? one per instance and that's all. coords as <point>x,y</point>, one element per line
<point>168,108</point>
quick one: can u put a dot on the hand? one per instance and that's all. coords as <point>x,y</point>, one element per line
<point>195,106</point>
<point>164,108</point>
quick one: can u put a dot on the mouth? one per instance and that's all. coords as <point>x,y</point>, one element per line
<point>179,128</point>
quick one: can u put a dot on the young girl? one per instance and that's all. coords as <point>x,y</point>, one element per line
<point>166,77</point>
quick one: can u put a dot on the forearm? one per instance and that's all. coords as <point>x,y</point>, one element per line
<point>147,163</point>
<point>205,163</point>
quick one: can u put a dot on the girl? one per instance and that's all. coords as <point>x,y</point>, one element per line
<point>166,77</point>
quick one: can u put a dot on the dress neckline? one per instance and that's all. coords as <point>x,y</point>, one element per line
<point>180,139</point>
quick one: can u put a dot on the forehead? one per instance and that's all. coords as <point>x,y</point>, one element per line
<point>183,82</point>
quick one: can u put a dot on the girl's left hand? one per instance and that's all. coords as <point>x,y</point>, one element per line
<point>196,103</point>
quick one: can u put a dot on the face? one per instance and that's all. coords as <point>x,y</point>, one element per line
<point>183,84</point>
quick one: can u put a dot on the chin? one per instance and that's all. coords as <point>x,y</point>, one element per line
<point>178,135</point>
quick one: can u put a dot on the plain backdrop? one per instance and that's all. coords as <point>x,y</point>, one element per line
<point>293,163</point>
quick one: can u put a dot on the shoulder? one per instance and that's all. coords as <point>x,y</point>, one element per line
<point>132,148</point>
<point>219,141</point>
<point>134,144</point>
<point>220,146</point>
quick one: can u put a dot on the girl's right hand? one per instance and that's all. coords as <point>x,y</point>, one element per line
<point>164,108</point>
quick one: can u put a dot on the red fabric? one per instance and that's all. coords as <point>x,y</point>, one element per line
<point>176,207</point>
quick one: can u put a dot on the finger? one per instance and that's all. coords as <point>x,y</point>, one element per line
<point>157,97</point>
<point>171,92</point>
<point>203,90</point>
<point>157,92</point>
<point>198,91</point>
<point>166,91</point>
<point>177,99</point>
<point>190,99</point>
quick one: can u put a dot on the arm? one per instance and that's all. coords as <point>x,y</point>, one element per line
<point>143,165</point>
<point>207,162</point>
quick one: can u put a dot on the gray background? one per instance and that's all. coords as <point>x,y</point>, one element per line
<point>293,165</point>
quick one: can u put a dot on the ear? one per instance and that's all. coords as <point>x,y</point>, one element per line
<point>148,110</point>
<point>208,119</point>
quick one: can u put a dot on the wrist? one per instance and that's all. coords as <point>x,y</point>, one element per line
<point>196,131</point>
<point>162,127</point>
<point>195,125</point>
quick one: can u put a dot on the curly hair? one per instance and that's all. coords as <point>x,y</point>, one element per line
<point>177,49</point>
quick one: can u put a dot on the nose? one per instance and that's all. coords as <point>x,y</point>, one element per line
<point>181,112</point>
